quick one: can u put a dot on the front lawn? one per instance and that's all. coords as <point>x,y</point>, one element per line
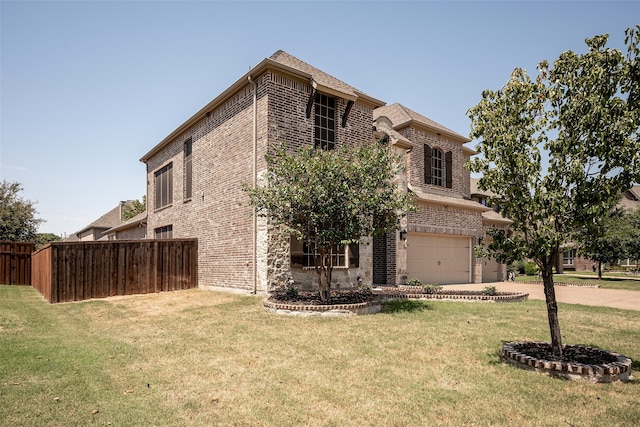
<point>201,358</point>
<point>605,283</point>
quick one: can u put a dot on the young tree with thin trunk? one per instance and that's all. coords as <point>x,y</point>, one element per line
<point>582,113</point>
<point>332,198</point>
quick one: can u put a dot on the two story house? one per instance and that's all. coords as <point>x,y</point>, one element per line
<point>195,177</point>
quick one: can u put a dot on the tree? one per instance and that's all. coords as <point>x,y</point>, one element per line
<point>18,221</point>
<point>331,198</point>
<point>607,242</point>
<point>42,239</point>
<point>583,113</point>
<point>132,209</point>
<point>633,242</point>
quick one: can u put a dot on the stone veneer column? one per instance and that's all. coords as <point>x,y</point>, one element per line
<point>477,270</point>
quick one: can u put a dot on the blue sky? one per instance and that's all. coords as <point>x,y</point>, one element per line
<point>88,87</point>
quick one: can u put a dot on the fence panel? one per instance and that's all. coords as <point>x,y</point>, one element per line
<point>74,271</point>
<point>15,262</point>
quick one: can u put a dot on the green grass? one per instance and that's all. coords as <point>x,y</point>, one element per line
<point>205,358</point>
<point>605,283</point>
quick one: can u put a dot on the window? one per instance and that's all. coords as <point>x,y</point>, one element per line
<point>567,257</point>
<point>325,124</point>
<point>165,232</point>
<point>164,186</point>
<point>438,167</point>
<point>188,177</point>
<point>302,255</point>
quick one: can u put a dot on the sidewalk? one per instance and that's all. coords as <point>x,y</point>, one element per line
<point>627,300</point>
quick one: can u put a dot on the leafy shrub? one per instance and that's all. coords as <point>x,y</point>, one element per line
<point>414,282</point>
<point>518,267</point>
<point>530,268</point>
<point>290,291</point>
<point>490,290</point>
<point>431,288</point>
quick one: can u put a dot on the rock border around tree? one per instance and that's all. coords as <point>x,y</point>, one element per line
<point>525,355</point>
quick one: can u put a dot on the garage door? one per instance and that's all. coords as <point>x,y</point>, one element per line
<point>438,259</point>
<point>490,271</point>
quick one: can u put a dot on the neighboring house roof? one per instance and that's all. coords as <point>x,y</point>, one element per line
<point>475,190</point>
<point>441,199</point>
<point>630,199</point>
<point>283,62</point>
<point>136,221</point>
<point>402,117</point>
<point>109,220</point>
<point>494,217</point>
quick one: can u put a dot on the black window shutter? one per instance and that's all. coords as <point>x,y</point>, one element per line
<point>448,160</point>
<point>427,164</point>
<point>354,255</point>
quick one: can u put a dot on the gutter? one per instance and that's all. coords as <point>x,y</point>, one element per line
<point>254,173</point>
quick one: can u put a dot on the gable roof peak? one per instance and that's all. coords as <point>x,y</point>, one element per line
<point>402,116</point>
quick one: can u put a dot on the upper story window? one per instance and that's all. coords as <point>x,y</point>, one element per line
<point>325,123</point>
<point>438,167</point>
<point>164,186</point>
<point>188,170</point>
<point>165,232</point>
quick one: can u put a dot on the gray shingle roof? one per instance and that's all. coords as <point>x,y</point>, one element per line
<point>402,116</point>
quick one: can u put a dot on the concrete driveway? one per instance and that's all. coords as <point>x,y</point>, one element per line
<point>627,300</point>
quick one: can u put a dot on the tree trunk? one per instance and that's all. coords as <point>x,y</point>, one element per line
<point>324,286</point>
<point>552,306</point>
<point>599,270</point>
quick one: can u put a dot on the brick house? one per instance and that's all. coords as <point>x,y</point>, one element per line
<point>569,260</point>
<point>195,177</point>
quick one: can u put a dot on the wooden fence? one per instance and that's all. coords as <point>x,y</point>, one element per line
<point>15,262</point>
<point>74,271</point>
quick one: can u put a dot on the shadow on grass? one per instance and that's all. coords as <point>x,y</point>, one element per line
<point>408,306</point>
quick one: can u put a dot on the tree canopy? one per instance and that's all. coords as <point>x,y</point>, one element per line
<point>581,113</point>
<point>132,209</point>
<point>18,216</point>
<point>331,198</point>
<point>610,241</point>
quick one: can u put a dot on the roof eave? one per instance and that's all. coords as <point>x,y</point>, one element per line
<point>241,83</point>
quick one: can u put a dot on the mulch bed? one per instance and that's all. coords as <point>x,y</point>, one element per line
<point>312,297</point>
<point>570,353</point>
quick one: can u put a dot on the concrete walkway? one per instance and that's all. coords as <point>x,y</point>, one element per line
<point>627,300</point>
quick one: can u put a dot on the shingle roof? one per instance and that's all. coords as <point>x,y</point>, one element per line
<point>130,223</point>
<point>111,219</point>
<point>448,200</point>
<point>318,75</point>
<point>475,190</point>
<point>282,60</point>
<point>402,116</point>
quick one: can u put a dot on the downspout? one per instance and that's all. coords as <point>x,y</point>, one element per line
<point>254,173</point>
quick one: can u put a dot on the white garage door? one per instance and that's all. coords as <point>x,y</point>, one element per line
<point>438,259</point>
<point>490,271</point>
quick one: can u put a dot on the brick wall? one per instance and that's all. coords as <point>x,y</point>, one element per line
<point>438,219</point>
<point>461,182</point>
<point>218,214</point>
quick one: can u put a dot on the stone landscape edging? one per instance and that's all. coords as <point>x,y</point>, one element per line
<point>575,285</point>
<point>620,370</point>
<point>337,310</point>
